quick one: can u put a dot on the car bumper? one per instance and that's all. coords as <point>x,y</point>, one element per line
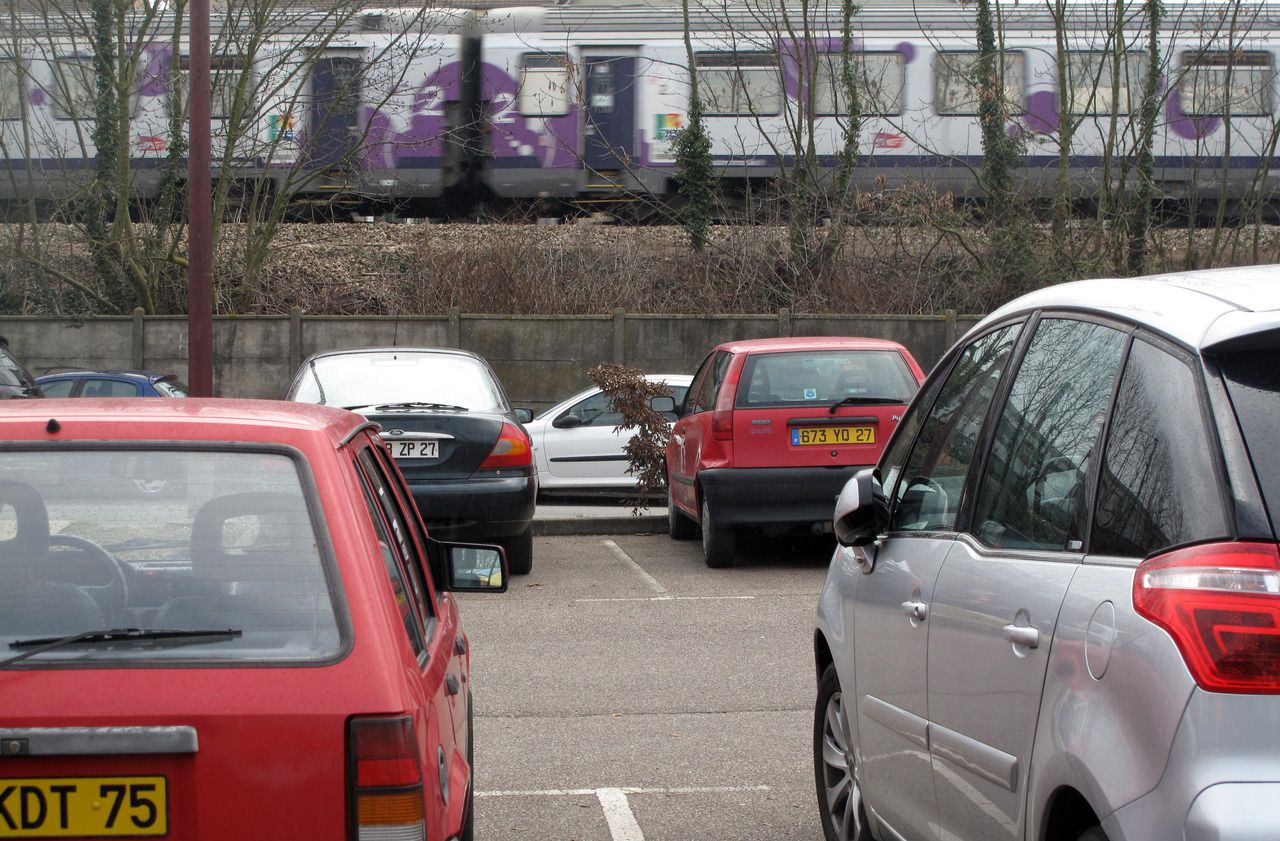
<point>478,509</point>
<point>774,495</point>
<point>1222,779</point>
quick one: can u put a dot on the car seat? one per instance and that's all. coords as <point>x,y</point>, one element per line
<point>31,604</point>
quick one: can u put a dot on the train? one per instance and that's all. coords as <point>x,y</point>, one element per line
<point>577,104</point>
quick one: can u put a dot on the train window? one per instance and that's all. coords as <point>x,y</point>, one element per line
<point>1094,89</point>
<point>74,94</point>
<point>11,88</point>
<point>1220,83</point>
<point>956,88</point>
<point>225,75</point>
<point>546,85</point>
<point>739,83</point>
<point>879,78</point>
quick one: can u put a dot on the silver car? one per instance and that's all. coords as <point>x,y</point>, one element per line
<point>1055,611</point>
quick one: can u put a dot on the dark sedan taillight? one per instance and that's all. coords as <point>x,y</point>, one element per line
<point>512,450</point>
<point>1221,604</point>
<point>384,780</point>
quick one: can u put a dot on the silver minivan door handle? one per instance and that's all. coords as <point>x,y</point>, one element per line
<point>917,611</point>
<point>1020,635</point>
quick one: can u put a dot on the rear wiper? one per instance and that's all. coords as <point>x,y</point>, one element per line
<point>39,645</point>
<point>865,401</point>
<point>409,407</point>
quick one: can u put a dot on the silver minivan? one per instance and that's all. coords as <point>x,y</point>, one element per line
<point>1055,611</point>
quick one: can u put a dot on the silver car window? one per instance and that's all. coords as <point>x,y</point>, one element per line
<point>928,497</point>
<point>1031,493</point>
<point>1158,486</point>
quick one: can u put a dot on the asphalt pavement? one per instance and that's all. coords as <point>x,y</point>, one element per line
<point>626,692</point>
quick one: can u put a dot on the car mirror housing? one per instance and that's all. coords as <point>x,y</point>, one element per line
<point>663,405</point>
<point>469,567</point>
<point>861,514</point>
<point>523,415</point>
<point>568,421</point>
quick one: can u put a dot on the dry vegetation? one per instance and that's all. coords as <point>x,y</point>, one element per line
<point>350,269</point>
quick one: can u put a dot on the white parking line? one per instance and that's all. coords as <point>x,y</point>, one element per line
<point>585,792</point>
<point>617,813</point>
<point>672,599</point>
<point>653,583</point>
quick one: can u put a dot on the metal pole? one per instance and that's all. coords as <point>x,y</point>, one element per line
<point>199,209</point>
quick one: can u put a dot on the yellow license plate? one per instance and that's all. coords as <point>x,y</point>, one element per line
<point>831,436</point>
<point>69,807</point>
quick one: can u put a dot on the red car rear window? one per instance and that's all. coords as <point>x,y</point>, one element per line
<point>797,378</point>
<point>176,539</point>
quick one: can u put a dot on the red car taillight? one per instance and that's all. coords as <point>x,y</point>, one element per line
<point>722,424</point>
<point>512,450</point>
<point>1221,604</point>
<point>384,780</point>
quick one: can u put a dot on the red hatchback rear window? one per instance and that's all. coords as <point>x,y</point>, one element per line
<point>797,378</point>
<point>173,540</point>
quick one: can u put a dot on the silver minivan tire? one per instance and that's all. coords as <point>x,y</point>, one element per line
<point>844,817</point>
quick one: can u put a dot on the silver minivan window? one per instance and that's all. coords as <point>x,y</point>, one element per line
<point>1031,493</point>
<point>928,497</point>
<point>1158,486</point>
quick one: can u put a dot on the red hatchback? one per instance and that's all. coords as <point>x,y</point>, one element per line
<point>771,429</point>
<point>268,651</point>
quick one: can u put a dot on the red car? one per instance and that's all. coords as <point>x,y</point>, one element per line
<point>271,651</point>
<point>771,429</point>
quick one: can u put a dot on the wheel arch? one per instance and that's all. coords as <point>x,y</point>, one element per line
<point>1067,815</point>
<point>822,656</point>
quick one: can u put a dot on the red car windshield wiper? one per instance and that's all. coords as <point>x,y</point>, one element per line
<point>39,645</point>
<point>866,401</point>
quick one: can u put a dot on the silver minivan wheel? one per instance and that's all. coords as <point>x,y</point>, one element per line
<point>839,791</point>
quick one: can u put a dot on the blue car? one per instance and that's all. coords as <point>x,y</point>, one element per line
<point>111,384</point>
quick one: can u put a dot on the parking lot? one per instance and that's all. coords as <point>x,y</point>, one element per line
<point>626,692</point>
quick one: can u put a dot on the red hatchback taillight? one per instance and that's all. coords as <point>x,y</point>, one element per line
<point>384,780</point>
<point>1221,604</point>
<point>512,450</point>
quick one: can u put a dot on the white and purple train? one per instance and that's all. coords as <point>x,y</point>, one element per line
<point>580,102</point>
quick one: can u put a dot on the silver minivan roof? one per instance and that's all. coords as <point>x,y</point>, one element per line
<point>1201,309</point>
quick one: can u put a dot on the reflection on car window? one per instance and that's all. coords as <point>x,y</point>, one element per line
<point>1253,380</point>
<point>596,411</point>
<point>823,377</point>
<point>1158,480</point>
<point>87,542</point>
<point>58,388</point>
<point>928,496</point>
<point>395,571</point>
<point>1031,493</point>
<point>370,379</point>
<point>108,388</point>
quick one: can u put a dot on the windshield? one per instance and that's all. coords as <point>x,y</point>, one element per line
<point>821,378</point>
<point>94,540</point>
<point>372,379</point>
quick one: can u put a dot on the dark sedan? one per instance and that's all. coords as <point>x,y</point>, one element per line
<point>447,422</point>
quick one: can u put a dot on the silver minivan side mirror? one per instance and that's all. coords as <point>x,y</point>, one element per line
<point>859,517</point>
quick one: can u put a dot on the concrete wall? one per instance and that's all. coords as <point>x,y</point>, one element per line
<point>540,359</point>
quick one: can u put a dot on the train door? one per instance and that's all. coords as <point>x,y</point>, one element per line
<point>609,111</point>
<point>334,125</point>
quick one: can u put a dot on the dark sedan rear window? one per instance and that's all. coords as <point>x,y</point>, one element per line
<point>824,377</point>
<point>1253,380</point>
<point>360,380</point>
